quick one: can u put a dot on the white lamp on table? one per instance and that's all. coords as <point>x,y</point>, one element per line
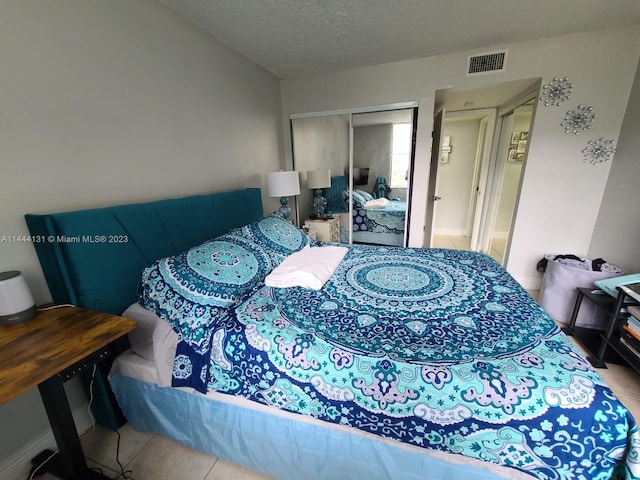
<point>16,302</point>
<point>317,180</point>
<point>283,184</point>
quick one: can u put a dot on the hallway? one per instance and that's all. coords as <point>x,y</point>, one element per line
<point>456,242</point>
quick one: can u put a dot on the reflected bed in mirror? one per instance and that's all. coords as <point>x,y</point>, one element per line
<point>375,221</point>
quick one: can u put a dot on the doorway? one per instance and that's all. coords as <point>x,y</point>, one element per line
<point>480,166</point>
<point>462,171</point>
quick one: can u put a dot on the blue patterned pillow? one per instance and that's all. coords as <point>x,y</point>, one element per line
<point>276,235</point>
<point>358,199</point>
<point>366,195</point>
<point>192,289</point>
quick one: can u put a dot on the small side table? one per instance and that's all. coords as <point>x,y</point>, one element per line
<point>326,230</point>
<point>611,336</point>
<point>48,350</point>
<point>594,340</point>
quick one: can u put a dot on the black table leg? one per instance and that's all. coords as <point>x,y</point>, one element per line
<point>614,316</point>
<point>574,314</point>
<point>69,463</point>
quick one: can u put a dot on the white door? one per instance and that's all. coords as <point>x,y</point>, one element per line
<point>487,128</point>
<point>432,191</point>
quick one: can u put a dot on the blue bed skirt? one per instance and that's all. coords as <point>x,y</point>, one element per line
<point>275,445</point>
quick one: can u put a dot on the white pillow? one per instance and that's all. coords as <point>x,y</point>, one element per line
<point>153,339</point>
<point>377,203</point>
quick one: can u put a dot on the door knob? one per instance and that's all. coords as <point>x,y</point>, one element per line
<point>435,198</point>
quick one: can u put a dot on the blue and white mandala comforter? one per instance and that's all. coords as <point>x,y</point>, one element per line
<point>389,219</point>
<point>436,348</point>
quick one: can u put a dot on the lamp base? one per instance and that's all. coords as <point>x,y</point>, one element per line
<point>319,204</point>
<point>284,211</point>
<point>19,317</point>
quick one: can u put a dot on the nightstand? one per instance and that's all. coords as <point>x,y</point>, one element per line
<point>48,350</point>
<point>326,230</point>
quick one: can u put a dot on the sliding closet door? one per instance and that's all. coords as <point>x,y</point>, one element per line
<point>382,153</point>
<point>322,143</point>
<point>369,155</point>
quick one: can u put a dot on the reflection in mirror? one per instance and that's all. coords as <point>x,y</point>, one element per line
<point>382,143</point>
<point>517,125</point>
<point>321,143</point>
<point>381,160</point>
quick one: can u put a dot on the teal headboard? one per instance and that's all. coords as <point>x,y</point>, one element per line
<point>94,258</point>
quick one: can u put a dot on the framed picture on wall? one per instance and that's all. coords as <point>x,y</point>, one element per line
<point>445,149</point>
<point>516,137</point>
<point>512,155</point>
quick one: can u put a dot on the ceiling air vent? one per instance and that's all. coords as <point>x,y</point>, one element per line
<point>491,62</point>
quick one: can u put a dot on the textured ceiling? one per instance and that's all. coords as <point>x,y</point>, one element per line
<point>298,37</point>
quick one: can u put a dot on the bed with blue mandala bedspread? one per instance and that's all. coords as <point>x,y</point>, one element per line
<point>381,226</point>
<point>408,364</point>
<point>436,349</point>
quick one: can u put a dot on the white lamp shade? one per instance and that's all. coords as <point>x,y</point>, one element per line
<point>319,178</point>
<point>16,302</point>
<point>283,184</point>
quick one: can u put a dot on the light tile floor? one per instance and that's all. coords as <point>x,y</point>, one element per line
<point>456,242</point>
<point>151,456</point>
<point>154,457</point>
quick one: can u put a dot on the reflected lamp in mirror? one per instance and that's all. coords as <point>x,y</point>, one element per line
<point>318,180</point>
<point>283,184</point>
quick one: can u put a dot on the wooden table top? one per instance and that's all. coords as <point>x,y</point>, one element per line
<point>55,339</point>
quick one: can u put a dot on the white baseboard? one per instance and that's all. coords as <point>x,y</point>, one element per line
<point>18,465</point>
<point>500,235</point>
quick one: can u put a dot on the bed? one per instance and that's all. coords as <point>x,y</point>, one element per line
<point>379,225</point>
<point>407,363</point>
<point>373,222</point>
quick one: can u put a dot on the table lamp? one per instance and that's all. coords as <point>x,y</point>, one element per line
<point>283,184</point>
<point>16,302</point>
<point>317,180</point>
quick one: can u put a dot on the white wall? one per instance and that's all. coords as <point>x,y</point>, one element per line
<point>560,194</point>
<point>108,102</point>
<point>455,178</point>
<point>617,232</point>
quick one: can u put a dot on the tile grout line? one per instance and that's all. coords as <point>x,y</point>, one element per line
<point>135,455</point>
<point>211,469</point>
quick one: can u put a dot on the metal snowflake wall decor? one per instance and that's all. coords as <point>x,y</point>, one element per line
<point>578,119</point>
<point>556,91</point>
<point>599,151</point>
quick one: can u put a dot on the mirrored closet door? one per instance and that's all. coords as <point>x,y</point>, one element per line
<point>355,172</point>
<point>382,152</point>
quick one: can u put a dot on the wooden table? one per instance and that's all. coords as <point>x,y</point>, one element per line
<point>48,350</point>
